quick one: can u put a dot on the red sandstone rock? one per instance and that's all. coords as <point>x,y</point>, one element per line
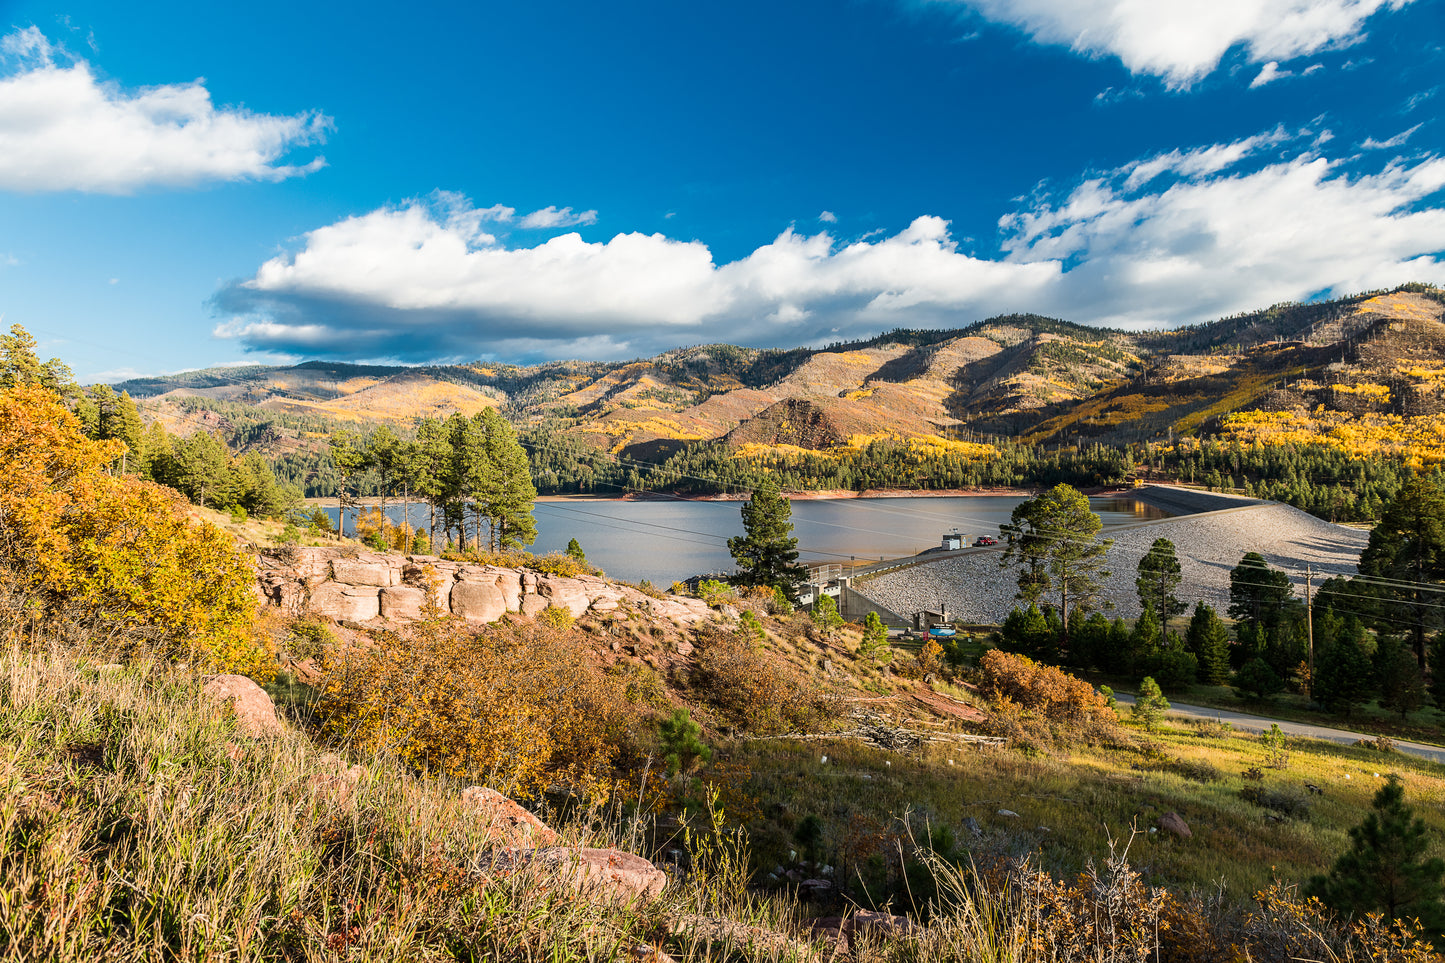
<point>252,707</point>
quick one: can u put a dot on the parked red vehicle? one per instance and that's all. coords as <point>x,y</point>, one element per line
<point>984,540</point>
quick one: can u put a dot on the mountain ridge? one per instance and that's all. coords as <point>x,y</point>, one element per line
<point>1022,377</point>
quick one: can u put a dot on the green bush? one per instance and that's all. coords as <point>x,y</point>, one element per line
<point>557,618</point>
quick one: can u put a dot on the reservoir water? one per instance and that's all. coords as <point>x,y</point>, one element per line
<point>666,540</point>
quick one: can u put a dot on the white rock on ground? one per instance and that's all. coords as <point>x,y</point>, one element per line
<point>974,587</point>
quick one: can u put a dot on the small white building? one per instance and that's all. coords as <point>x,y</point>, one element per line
<point>952,541</point>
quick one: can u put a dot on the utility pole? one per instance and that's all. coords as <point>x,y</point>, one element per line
<point>1310,624</point>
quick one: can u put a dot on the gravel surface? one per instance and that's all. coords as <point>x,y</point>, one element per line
<point>975,588</point>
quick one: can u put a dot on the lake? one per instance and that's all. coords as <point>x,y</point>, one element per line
<point>666,540</point>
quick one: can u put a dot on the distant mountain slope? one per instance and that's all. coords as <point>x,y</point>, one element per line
<point>1023,376</point>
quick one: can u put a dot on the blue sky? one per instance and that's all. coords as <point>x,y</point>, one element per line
<point>183,186</point>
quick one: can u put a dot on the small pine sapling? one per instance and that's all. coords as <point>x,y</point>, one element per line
<point>751,628</point>
<point>1150,705</point>
<point>825,616</point>
<point>875,640</point>
<point>683,749</point>
<point>1276,756</point>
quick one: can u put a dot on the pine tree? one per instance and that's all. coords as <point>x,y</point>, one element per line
<point>1150,704</point>
<point>1384,870</point>
<point>875,640</point>
<point>1027,632</point>
<point>1053,541</point>
<point>20,365</point>
<point>1342,668</point>
<point>574,549</point>
<point>1409,546</point>
<point>682,746</point>
<point>431,474</point>
<point>509,509</point>
<point>1402,687</point>
<point>473,479</point>
<point>1258,594</point>
<point>1158,578</point>
<point>349,457</point>
<point>381,453</point>
<point>825,615</point>
<point>1256,680</point>
<point>1208,638</point>
<point>1145,640</point>
<point>767,552</point>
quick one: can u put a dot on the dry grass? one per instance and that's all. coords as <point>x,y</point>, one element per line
<point>135,823</point>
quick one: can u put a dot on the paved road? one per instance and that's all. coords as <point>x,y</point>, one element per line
<point>1259,724</point>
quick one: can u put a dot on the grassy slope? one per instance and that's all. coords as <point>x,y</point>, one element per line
<point>135,824</point>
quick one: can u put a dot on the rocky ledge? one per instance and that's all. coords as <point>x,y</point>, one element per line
<point>353,586</point>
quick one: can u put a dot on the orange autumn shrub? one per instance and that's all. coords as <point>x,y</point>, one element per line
<point>516,706</point>
<point>112,554</point>
<point>1042,701</point>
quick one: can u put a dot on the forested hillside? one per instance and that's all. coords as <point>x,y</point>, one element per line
<point>1324,405</point>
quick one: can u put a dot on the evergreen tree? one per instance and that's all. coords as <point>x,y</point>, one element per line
<point>1089,642</point>
<point>431,472</point>
<point>1256,680</point>
<point>1150,704</point>
<point>1116,652</point>
<point>1437,668</point>
<point>1027,632</point>
<point>1208,638</point>
<point>1258,594</point>
<point>1174,668</point>
<point>1144,641</point>
<point>1342,667</point>
<point>381,453</point>
<point>825,615</point>
<point>199,468</point>
<point>473,479</point>
<point>1398,676</point>
<point>1409,546</point>
<point>574,549</point>
<point>509,509</point>
<point>1158,578</point>
<point>1053,540</point>
<point>682,746</point>
<point>875,639</point>
<point>1385,869</point>
<point>767,552</point>
<point>118,418</point>
<point>348,455</point>
<point>20,365</point>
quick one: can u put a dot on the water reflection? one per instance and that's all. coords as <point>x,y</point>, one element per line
<point>671,539</point>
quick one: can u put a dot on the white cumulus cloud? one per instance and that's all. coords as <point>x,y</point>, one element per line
<point>552,217</point>
<point>63,128</point>
<point>1200,233</point>
<point>1182,41</point>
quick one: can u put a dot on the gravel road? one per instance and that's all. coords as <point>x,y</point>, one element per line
<point>1248,723</point>
<point>975,588</point>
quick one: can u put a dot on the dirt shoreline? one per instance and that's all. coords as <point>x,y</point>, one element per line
<point>820,495</point>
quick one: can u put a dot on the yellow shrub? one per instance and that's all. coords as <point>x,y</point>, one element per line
<point>516,706</point>
<point>120,553</point>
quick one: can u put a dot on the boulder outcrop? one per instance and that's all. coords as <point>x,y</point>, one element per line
<point>351,586</point>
